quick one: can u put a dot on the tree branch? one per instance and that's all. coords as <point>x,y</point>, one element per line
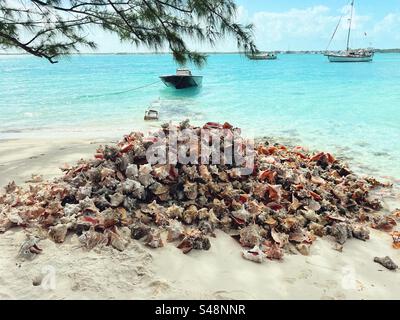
<point>125,20</point>
<point>55,27</point>
<point>175,7</point>
<point>27,48</point>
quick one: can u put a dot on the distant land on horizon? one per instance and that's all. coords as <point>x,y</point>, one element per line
<point>394,50</point>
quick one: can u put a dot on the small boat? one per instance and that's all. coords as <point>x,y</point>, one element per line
<point>182,79</point>
<point>263,56</point>
<point>151,115</point>
<point>349,55</point>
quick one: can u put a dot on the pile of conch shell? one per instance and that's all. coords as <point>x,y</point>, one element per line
<point>292,197</point>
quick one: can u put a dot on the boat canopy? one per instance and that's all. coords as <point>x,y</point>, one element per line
<point>183,72</point>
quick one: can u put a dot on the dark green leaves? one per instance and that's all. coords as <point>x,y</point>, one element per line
<point>51,28</point>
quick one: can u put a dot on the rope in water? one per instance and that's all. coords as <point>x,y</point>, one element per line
<point>119,92</point>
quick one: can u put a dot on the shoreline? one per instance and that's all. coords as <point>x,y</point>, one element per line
<point>20,158</point>
<point>97,134</point>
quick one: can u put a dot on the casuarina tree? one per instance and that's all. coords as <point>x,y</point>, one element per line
<point>52,28</point>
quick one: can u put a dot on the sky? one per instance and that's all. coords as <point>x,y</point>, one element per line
<point>302,25</point>
<point>298,25</point>
<point>309,24</point>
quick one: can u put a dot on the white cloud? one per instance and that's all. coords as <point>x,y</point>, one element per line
<point>271,26</point>
<point>390,23</point>
<point>308,28</point>
<point>242,15</point>
<point>297,28</point>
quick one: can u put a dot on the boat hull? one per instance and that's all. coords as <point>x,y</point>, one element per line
<point>182,82</point>
<point>343,58</point>
<point>262,57</point>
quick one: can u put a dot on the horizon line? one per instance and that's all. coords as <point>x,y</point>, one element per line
<point>202,52</point>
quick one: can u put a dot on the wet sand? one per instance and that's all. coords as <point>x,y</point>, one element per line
<point>19,159</point>
<point>143,273</point>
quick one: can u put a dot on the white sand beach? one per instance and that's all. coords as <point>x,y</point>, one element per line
<point>143,273</point>
<point>228,136</point>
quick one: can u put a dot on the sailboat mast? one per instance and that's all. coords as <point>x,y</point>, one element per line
<point>351,19</point>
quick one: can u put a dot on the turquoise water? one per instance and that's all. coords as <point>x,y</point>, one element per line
<point>352,110</point>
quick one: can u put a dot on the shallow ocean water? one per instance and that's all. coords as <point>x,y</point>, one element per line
<point>351,110</point>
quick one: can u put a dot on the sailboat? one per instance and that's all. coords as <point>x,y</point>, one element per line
<point>262,56</point>
<point>360,55</point>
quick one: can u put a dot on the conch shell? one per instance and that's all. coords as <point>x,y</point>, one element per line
<point>58,233</point>
<point>154,240</point>
<point>250,236</point>
<point>255,255</point>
